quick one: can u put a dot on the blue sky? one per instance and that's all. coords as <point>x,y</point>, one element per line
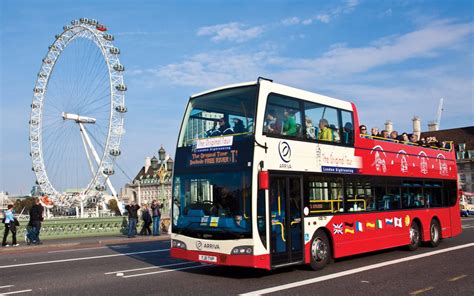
<point>394,59</point>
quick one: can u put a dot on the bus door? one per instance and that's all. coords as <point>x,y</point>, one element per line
<point>286,238</point>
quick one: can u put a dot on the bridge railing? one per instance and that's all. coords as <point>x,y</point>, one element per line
<point>89,227</point>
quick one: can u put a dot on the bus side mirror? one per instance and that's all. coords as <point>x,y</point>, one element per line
<point>263,180</point>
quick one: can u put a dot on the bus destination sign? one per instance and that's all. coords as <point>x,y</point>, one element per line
<point>213,158</point>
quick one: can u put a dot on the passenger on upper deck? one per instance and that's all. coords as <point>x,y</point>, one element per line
<point>404,138</point>
<point>273,124</point>
<point>325,133</point>
<point>289,124</point>
<point>363,130</point>
<point>394,135</point>
<point>385,134</point>
<point>348,133</point>
<point>414,138</point>
<point>375,132</point>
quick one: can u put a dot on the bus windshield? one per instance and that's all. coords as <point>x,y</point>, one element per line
<point>226,112</point>
<point>212,205</point>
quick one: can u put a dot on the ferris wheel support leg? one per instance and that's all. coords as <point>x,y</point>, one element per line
<point>96,156</point>
<point>87,151</point>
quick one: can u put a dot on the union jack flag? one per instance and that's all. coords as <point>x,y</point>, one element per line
<point>337,228</point>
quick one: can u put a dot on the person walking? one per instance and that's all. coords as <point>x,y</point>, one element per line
<point>156,213</point>
<point>36,217</point>
<point>146,217</point>
<point>132,210</point>
<point>9,221</point>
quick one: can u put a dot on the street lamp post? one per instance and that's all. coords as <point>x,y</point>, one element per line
<point>161,157</point>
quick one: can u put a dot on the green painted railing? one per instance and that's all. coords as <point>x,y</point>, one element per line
<point>89,227</point>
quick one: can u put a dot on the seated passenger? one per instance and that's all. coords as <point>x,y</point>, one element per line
<point>363,131</point>
<point>414,138</point>
<point>289,123</point>
<point>394,136</point>
<point>385,134</point>
<point>238,126</point>
<point>273,124</point>
<point>404,138</point>
<point>348,133</point>
<point>224,127</point>
<point>310,129</point>
<point>325,133</point>
<point>375,132</point>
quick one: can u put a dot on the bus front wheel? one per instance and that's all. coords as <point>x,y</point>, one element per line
<point>320,250</point>
<point>415,236</point>
<point>435,233</point>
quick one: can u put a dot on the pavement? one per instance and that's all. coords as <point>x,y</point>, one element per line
<point>81,242</point>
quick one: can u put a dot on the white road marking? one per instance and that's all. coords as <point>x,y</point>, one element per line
<point>3,287</point>
<point>163,271</point>
<point>16,292</point>
<point>81,258</point>
<point>354,271</point>
<point>85,249</point>
<point>150,267</point>
<point>467,226</point>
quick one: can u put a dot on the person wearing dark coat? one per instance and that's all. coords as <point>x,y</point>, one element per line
<point>146,217</point>
<point>36,217</point>
<point>132,210</point>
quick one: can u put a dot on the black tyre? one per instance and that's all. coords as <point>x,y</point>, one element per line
<point>435,233</point>
<point>415,236</point>
<point>320,251</point>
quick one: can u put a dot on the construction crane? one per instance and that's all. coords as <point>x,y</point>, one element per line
<point>440,111</point>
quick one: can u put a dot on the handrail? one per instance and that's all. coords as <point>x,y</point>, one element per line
<point>407,142</point>
<point>332,202</point>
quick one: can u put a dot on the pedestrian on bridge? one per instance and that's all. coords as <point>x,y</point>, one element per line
<point>146,217</point>
<point>156,213</point>
<point>36,217</point>
<point>132,210</point>
<point>9,221</point>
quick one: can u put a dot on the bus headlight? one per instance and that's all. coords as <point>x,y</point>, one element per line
<point>243,250</point>
<point>178,244</point>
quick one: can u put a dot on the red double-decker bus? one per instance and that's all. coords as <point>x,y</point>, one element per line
<point>267,176</point>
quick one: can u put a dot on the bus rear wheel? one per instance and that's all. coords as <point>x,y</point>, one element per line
<point>435,233</point>
<point>320,250</point>
<point>415,236</point>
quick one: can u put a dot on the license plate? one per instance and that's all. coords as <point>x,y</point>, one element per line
<point>208,258</point>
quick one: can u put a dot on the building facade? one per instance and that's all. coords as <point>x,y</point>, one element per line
<point>152,182</point>
<point>463,140</point>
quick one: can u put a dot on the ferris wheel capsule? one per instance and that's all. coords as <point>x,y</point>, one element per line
<point>83,20</point>
<point>121,87</point>
<point>33,122</point>
<point>121,109</point>
<point>115,152</point>
<point>114,50</point>
<point>42,75</point>
<point>100,187</point>
<point>34,105</point>
<point>108,37</point>
<point>57,36</point>
<point>119,67</point>
<point>65,28</point>
<point>74,22</point>
<point>38,90</point>
<point>46,61</point>
<point>108,171</point>
<point>93,22</point>
<point>101,27</point>
<point>53,47</point>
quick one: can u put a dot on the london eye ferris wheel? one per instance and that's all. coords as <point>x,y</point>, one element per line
<point>77,114</point>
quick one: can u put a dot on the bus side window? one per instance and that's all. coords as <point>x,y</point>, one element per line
<point>348,128</point>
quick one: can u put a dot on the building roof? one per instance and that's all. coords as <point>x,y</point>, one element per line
<point>457,135</point>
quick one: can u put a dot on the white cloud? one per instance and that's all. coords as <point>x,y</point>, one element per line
<point>291,21</point>
<point>236,32</point>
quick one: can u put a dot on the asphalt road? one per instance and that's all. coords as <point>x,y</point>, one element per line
<point>145,268</point>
